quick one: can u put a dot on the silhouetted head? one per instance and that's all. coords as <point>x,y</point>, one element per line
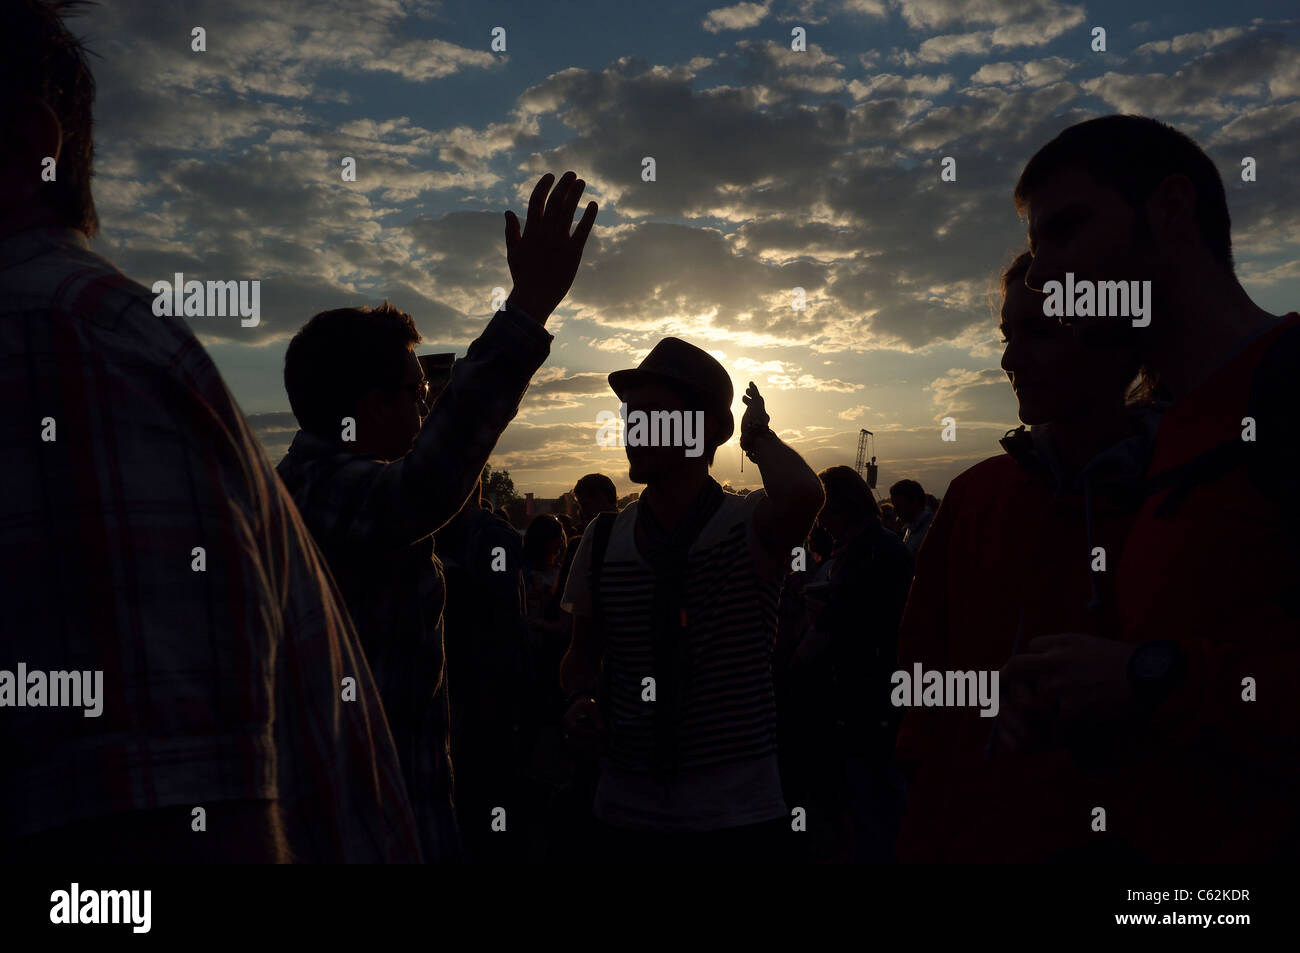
<point>47,95</point>
<point>1062,372</point>
<point>675,378</point>
<point>1124,198</point>
<point>849,501</point>
<point>595,493</point>
<point>359,363</point>
<point>544,542</point>
<point>908,498</point>
<point>820,543</point>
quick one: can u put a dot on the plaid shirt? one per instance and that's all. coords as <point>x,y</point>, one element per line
<point>221,684</point>
<point>374,521</point>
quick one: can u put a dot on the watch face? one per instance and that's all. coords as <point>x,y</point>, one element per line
<point>1153,661</point>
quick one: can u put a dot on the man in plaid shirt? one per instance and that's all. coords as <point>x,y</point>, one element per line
<point>144,535</point>
<point>375,472</point>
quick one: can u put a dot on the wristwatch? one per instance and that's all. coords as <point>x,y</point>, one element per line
<point>1155,669</point>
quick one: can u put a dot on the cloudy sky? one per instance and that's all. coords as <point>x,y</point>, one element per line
<point>775,169</point>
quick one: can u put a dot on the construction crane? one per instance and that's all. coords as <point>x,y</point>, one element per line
<point>867,470</point>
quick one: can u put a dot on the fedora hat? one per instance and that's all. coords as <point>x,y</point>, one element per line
<point>689,371</point>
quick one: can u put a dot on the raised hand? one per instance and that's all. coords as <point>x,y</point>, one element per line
<point>543,256</point>
<point>756,418</point>
<point>754,425</point>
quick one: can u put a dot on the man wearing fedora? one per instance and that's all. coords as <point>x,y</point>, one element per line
<point>674,602</point>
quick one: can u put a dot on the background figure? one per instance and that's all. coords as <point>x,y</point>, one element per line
<point>544,547</point>
<point>914,512</point>
<point>595,494</point>
<point>890,521</point>
<point>551,770</point>
<point>843,669</point>
<point>566,524</point>
<point>573,836</point>
<point>486,637</point>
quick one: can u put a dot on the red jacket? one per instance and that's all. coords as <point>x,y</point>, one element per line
<point>1212,562</point>
<point>1007,554</point>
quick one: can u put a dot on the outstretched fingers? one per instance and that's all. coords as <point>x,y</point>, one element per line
<point>553,221</point>
<point>584,227</point>
<point>537,202</point>
<point>571,205</point>
<point>512,231</point>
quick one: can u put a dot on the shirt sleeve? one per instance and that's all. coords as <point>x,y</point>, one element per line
<point>577,589</point>
<point>387,505</point>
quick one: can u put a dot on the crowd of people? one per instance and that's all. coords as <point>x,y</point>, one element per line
<point>347,657</point>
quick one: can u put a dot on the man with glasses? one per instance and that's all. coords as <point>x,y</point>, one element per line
<point>376,471</point>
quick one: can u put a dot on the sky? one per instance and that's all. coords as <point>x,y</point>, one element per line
<point>775,169</point>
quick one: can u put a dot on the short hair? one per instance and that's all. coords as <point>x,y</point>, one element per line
<point>1134,154</point>
<point>597,484</point>
<point>846,491</point>
<point>41,59</point>
<point>1016,271</point>
<point>908,490</point>
<point>339,356</point>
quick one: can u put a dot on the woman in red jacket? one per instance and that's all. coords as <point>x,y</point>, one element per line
<point>1020,548</point>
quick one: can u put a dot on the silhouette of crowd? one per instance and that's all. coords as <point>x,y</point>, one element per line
<point>350,657</point>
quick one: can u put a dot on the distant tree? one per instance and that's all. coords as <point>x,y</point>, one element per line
<point>498,486</point>
<point>630,498</point>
